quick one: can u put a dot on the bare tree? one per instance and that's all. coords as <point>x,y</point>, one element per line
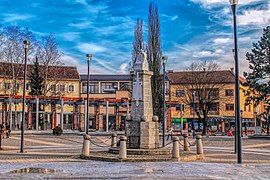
<point>154,57</point>
<point>13,51</point>
<point>201,90</point>
<point>2,40</point>
<point>138,40</point>
<point>49,56</point>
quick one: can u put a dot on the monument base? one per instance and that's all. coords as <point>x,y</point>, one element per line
<point>142,135</point>
<point>162,151</point>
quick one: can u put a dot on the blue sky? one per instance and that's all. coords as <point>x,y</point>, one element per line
<point>191,30</point>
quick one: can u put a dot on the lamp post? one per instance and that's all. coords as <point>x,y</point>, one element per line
<point>164,61</point>
<point>26,48</point>
<point>193,114</point>
<point>237,93</point>
<point>89,58</point>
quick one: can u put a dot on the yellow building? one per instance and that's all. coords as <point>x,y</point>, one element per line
<point>62,87</point>
<point>220,86</point>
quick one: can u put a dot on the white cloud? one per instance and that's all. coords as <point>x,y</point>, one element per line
<point>81,25</point>
<point>219,51</point>
<point>16,17</point>
<point>123,68</point>
<point>254,17</point>
<point>90,48</point>
<point>172,18</point>
<point>202,54</point>
<point>212,3</point>
<point>81,2</point>
<point>71,36</point>
<point>81,66</point>
<point>221,40</point>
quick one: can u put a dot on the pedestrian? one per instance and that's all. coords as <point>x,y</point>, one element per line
<point>8,130</point>
<point>1,132</point>
<point>170,133</point>
<point>245,127</point>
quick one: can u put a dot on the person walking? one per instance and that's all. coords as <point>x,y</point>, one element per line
<point>170,133</point>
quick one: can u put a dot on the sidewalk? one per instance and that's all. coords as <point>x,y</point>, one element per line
<point>72,132</point>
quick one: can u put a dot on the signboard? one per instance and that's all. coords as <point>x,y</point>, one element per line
<point>179,120</point>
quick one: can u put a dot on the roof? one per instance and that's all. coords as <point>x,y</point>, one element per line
<point>54,72</point>
<point>107,77</point>
<point>189,77</point>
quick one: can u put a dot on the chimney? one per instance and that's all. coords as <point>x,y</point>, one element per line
<point>170,71</point>
<point>232,70</point>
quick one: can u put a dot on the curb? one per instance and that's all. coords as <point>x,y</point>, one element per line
<point>191,158</point>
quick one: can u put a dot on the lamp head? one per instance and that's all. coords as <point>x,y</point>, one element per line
<point>164,59</point>
<point>89,57</point>
<point>26,44</point>
<point>233,2</point>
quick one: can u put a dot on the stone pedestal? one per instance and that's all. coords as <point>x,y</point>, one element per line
<point>149,135</point>
<point>142,129</point>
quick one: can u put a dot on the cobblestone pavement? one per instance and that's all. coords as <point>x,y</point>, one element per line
<point>61,153</point>
<point>110,170</point>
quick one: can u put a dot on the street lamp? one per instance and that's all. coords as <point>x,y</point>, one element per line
<point>164,61</point>
<point>89,58</point>
<point>237,93</point>
<point>26,48</point>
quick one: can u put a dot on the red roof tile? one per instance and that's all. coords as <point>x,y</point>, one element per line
<point>54,72</point>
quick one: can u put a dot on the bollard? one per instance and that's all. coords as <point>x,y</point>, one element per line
<point>199,144</point>
<point>186,143</point>
<point>123,147</point>
<point>175,150</point>
<point>114,140</point>
<point>86,145</point>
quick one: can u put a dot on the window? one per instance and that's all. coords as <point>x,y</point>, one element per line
<point>180,93</point>
<point>108,86</point>
<point>27,87</point>
<point>213,93</point>
<point>228,92</point>
<point>125,86</point>
<point>62,87</point>
<point>214,107</point>
<point>180,107</point>
<point>93,87</point>
<point>53,87</point>
<point>249,108</point>
<point>229,107</point>
<point>17,87</point>
<point>70,88</point>
<point>7,86</point>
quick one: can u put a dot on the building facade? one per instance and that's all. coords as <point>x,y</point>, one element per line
<point>109,100</point>
<point>218,84</point>
<point>64,102</point>
<point>62,87</point>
